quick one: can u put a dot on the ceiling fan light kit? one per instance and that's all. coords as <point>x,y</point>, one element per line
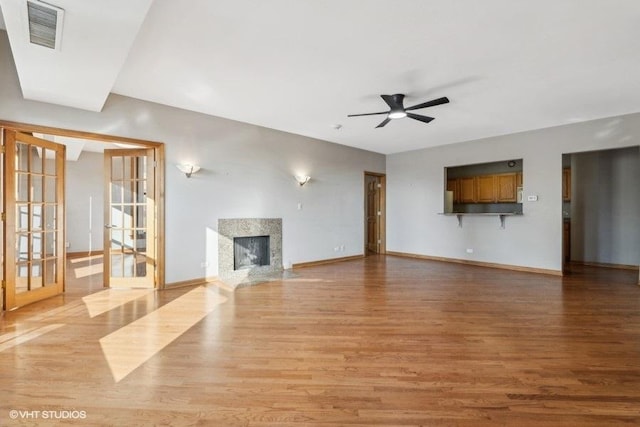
<point>397,114</point>
<point>398,111</point>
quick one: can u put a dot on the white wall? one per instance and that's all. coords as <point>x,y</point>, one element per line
<point>415,183</point>
<point>247,172</point>
<point>84,194</point>
<point>605,206</point>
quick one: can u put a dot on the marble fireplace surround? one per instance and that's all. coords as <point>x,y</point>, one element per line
<point>228,228</point>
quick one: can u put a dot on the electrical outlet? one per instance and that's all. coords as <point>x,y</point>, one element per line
<point>469,250</point>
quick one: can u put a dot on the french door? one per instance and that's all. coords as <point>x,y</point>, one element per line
<point>34,219</point>
<point>130,218</point>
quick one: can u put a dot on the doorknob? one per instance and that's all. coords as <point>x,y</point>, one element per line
<point>108,226</point>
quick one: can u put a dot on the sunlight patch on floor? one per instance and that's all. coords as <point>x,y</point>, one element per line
<point>89,270</point>
<point>85,266</point>
<point>132,345</point>
<point>15,338</point>
<point>103,301</point>
<point>57,314</point>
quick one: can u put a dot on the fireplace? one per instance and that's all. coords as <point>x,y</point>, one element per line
<point>249,248</point>
<point>250,251</point>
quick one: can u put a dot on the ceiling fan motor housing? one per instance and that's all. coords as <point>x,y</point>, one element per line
<point>397,110</point>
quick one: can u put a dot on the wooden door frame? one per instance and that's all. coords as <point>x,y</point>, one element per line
<point>159,149</point>
<point>383,210</point>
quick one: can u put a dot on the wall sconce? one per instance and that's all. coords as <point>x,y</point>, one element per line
<point>302,179</point>
<point>188,169</point>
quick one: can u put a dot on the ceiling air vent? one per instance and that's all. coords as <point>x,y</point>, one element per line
<point>45,24</point>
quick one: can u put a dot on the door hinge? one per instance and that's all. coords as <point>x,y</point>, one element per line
<point>4,284</point>
<point>4,216</point>
<point>155,164</point>
<point>3,149</point>
<point>379,213</point>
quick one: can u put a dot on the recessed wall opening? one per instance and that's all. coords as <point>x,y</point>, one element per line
<point>600,209</point>
<point>494,187</point>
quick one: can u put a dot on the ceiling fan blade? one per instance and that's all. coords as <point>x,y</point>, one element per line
<point>384,123</point>
<point>395,102</point>
<point>431,103</point>
<point>367,114</point>
<point>425,119</point>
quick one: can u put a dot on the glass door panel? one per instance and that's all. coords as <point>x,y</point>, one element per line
<point>22,187</point>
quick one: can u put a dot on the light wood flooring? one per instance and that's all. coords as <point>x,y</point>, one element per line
<point>376,341</point>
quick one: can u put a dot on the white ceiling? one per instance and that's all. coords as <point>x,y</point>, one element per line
<point>301,66</point>
<point>96,38</point>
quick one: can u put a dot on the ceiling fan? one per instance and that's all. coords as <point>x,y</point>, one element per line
<point>397,110</point>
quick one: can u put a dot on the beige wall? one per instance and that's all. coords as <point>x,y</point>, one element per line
<point>415,195</point>
<point>247,171</point>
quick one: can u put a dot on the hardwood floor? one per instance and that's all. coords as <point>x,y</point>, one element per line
<point>375,341</point>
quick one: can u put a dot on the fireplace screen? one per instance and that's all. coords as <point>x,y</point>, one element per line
<point>250,252</point>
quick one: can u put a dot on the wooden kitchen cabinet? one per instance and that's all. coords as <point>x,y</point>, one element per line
<point>454,185</point>
<point>506,187</point>
<point>566,184</point>
<point>495,188</point>
<point>486,189</point>
<point>467,190</point>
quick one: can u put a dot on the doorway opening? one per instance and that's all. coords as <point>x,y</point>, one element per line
<point>601,209</point>
<point>110,210</point>
<point>375,213</point>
